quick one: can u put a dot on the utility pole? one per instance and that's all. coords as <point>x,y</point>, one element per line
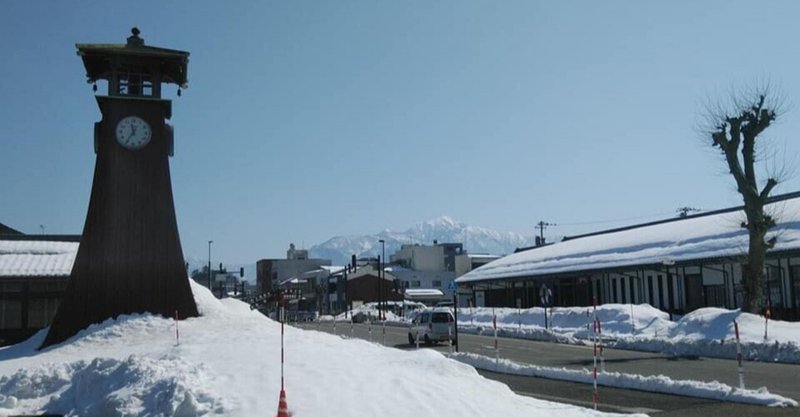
<point>210,288</point>
<point>541,225</point>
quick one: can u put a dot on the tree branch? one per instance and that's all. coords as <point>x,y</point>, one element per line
<point>764,195</point>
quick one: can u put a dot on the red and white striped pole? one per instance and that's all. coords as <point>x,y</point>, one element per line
<point>739,355</point>
<point>450,339</point>
<point>496,347</point>
<point>633,325</point>
<point>600,344</point>
<point>384,333</point>
<point>767,315</point>
<point>283,409</point>
<point>283,319</point>
<point>177,334</point>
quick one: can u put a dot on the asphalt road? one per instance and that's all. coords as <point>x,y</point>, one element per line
<point>780,379</point>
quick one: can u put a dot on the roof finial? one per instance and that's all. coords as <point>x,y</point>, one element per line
<point>135,40</point>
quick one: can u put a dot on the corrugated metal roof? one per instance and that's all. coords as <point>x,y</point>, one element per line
<point>36,258</point>
<point>708,236</point>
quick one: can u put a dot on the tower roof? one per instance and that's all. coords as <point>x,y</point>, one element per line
<point>99,58</point>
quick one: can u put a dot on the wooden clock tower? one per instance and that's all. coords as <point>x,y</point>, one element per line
<point>130,258</point>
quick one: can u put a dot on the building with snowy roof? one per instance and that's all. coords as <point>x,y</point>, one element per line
<point>34,270</point>
<point>677,265</point>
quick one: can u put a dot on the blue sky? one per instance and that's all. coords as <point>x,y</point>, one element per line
<point>305,120</point>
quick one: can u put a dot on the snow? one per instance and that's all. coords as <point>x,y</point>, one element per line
<point>654,383</point>
<point>227,363</point>
<point>704,332</point>
<point>708,236</point>
<point>36,258</point>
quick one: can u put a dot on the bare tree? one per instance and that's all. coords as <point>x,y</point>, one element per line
<point>737,131</point>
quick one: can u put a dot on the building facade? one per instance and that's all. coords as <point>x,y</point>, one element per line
<point>271,272</point>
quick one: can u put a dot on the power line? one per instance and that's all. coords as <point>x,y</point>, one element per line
<point>614,220</point>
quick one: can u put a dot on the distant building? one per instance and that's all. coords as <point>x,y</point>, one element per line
<point>270,273</point>
<point>434,267</point>
<point>34,270</point>
<point>364,286</point>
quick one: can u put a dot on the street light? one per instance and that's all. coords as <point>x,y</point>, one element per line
<point>210,288</point>
<point>381,274</point>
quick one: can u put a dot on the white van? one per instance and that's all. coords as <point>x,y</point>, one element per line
<point>432,326</point>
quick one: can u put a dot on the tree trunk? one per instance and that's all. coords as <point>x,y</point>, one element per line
<point>753,273</point>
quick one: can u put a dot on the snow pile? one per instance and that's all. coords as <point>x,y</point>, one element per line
<point>137,385</point>
<point>371,310</point>
<point>227,363</point>
<point>660,383</point>
<point>703,332</point>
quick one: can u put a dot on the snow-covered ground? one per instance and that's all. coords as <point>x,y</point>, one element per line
<point>227,363</point>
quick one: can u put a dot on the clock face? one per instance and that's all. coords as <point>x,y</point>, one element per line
<point>133,132</point>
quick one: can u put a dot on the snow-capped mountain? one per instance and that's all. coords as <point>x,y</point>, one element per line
<point>443,229</point>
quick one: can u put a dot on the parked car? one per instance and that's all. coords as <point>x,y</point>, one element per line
<point>360,317</point>
<point>433,326</point>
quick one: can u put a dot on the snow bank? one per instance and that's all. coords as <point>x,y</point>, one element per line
<point>703,332</point>
<point>660,383</point>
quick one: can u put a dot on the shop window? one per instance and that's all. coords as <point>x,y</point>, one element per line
<point>41,312</point>
<point>10,314</point>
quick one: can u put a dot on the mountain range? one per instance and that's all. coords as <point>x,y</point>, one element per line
<point>443,229</point>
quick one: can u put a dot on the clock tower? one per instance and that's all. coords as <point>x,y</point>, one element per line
<point>130,258</point>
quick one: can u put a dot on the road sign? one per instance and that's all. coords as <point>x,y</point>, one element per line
<point>452,285</point>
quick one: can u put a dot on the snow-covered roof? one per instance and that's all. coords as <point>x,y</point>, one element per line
<point>483,256</point>
<point>711,235</point>
<point>36,258</point>
<point>397,268</point>
<point>292,281</point>
<point>333,269</point>
<point>423,292</point>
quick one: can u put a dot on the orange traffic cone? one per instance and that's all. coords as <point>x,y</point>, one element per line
<point>283,409</point>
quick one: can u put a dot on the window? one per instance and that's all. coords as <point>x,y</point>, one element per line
<point>633,290</point>
<point>415,284</point>
<point>11,286</point>
<point>47,286</point>
<point>135,83</point>
<point>10,314</point>
<point>614,289</point>
<point>671,303</point>
<point>41,312</point>
<point>405,284</point>
<point>442,318</point>
<point>796,282</point>
<point>436,284</point>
